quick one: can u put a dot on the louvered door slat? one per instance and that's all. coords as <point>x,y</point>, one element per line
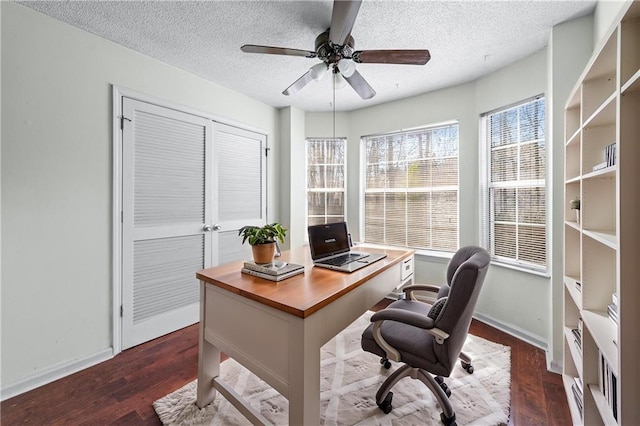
<point>169,171</point>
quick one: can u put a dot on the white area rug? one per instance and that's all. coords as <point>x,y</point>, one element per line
<point>349,380</point>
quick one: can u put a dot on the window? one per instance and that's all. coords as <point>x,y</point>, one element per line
<point>514,188</point>
<point>325,180</point>
<point>411,188</point>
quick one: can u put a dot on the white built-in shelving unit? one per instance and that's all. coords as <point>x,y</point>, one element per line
<point>602,243</point>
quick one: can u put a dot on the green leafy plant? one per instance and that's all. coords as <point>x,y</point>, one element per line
<point>262,234</point>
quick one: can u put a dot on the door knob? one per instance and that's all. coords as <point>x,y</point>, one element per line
<point>207,228</point>
<point>217,227</point>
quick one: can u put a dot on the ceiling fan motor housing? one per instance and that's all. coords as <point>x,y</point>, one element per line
<point>331,53</point>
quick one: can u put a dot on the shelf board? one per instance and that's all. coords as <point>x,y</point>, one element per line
<point>573,224</point>
<point>604,115</point>
<point>572,180</point>
<point>632,85</point>
<point>603,406</point>
<point>574,139</point>
<point>602,173</point>
<point>606,237</point>
<point>576,414</point>
<point>576,295</point>
<point>603,331</point>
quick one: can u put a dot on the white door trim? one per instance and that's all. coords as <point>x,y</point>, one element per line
<point>118,93</point>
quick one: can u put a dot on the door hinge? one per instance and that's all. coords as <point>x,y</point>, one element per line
<point>121,311</point>
<point>266,152</point>
<point>122,122</point>
<point>121,217</point>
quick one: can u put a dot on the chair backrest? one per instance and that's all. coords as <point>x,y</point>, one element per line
<point>465,275</point>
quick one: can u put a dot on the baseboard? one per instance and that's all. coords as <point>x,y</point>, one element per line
<point>553,366</point>
<point>517,332</point>
<point>54,373</point>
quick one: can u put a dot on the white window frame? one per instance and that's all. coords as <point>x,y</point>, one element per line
<point>487,208</point>
<point>363,176</point>
<point>325,190</point>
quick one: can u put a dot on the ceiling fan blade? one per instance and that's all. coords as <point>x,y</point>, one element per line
<point>408,57</point>
<point>342,19</point>
<point>360,85</point>
<point>252,48</point>
<point>299,84</point>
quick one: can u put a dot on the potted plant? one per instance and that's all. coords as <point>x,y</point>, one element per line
<point>575,205</point>
<point>263,240</point>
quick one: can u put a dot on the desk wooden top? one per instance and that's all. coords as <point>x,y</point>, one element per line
<point>303,294</point>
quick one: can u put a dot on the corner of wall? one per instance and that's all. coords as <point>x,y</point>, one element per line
<point>570,47</point>
<point>291,165</point>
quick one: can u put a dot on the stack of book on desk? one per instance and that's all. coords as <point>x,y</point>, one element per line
<point>274,271</point>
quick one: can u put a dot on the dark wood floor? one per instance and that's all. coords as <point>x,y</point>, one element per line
<point>121,390</point>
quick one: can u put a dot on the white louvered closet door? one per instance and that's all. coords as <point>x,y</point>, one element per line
<point>167,201</point>
<point>241,181</point>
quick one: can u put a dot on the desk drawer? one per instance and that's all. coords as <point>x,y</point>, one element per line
<point>407,269</point>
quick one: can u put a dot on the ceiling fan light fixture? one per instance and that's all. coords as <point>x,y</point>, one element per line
<point>318,71</point>
<point>346,67</point>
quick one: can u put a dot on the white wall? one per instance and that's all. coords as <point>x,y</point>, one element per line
<point>605,15</point>
<point>293,195</point>
<point>57,182</point>
<point>570,47</point>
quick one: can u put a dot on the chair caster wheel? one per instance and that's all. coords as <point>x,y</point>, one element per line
<point>385,405</point>
<point>385,363</point>
<point>439,379</point>
<point>467,367</point>
<point>446,389</point>
<point>448,421</point>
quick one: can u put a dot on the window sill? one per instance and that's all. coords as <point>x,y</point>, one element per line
<point>434,256</point>
<point>445,257</point>
<point>524,269</point>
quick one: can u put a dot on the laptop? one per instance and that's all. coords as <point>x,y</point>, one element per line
<point>330,248</point>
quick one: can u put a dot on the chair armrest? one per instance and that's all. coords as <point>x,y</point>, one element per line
<point>408,290</point>
<point>406,317</point>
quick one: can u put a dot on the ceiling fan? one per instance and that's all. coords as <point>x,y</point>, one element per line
<point>335,48</point>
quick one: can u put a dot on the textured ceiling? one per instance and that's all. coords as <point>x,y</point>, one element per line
<point>467,39</point>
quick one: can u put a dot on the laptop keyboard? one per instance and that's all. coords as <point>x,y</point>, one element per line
<point>342,260</point>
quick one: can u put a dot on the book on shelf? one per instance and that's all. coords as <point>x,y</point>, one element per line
<point>577,337</point>
<point>608,385</point>
<point>600,166</point>
<point>612,310</point>
<point>275,268</point>
<point>610,154</point>
<point>578,286</point>
<point>577,396</point>
<point>614,298</point>
<point>580,326</point>
<point>578,382</point>
<point>271,277</point>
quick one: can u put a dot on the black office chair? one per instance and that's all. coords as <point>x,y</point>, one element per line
<point>428,339</point>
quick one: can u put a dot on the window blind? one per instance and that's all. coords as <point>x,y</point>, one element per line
<point>325,180</point>
<point>514,191</point>
<point>411,188</point>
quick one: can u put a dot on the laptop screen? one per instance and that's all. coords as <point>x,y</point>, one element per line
<point>328,239</point>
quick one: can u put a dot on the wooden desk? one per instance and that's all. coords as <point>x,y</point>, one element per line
<point>276,329</point>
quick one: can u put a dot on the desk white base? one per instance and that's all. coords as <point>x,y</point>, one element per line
<point>280,348</point>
